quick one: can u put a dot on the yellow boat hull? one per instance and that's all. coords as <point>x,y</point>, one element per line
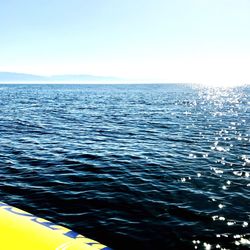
<point>22,230</point>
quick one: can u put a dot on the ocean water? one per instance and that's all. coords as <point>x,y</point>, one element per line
<point>132,166</point>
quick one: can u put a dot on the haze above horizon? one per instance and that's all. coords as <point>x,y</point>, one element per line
<point>199,41</point>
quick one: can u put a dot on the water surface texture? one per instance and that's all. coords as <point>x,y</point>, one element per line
<point>132,166</point>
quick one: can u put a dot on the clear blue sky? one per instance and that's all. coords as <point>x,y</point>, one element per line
<point>151,40</point>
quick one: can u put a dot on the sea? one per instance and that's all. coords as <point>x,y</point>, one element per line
<point>147,167</point>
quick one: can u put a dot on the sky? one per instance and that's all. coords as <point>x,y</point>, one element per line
<point>187,41</point>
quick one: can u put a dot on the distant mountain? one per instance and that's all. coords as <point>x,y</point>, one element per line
<point>82,78</point>
<point>11,77</point>
<point>16,77</point>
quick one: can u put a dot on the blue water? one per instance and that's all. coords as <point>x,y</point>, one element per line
<point>132,166</point>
